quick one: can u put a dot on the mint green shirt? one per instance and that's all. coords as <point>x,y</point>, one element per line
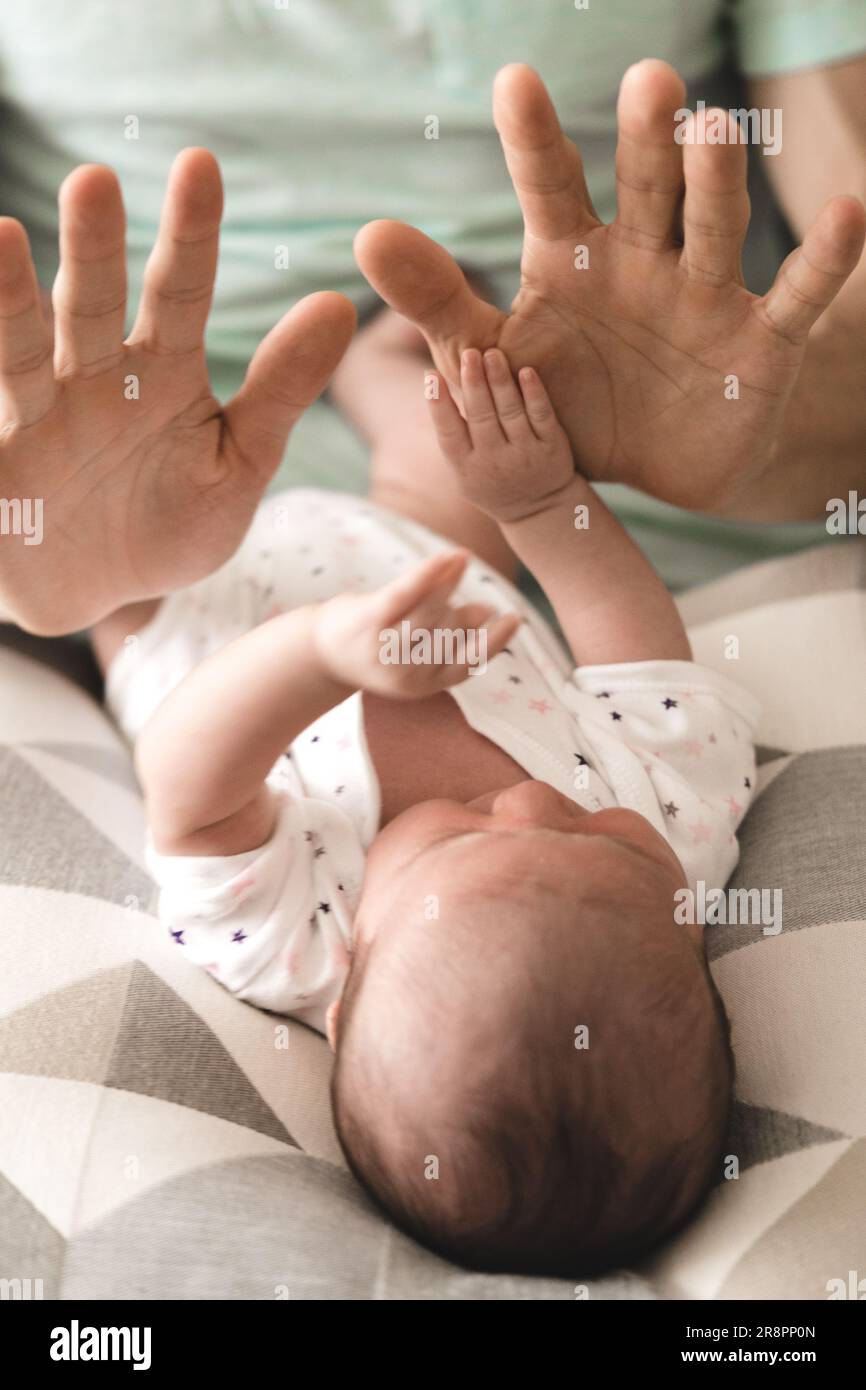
<point>319,113</point>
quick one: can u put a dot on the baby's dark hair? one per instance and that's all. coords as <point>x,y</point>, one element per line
<point>468,1108</point>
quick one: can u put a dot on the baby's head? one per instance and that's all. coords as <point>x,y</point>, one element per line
<point>533,1069</point>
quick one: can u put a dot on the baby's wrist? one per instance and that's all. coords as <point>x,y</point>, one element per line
<point>557,503</point>
<point>324,661</point>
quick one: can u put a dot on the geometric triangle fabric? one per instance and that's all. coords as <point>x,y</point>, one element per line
<point>829,1218</point>
<point>803,840</point>
<point>734,1219</point>
<point>67,1033</point>
<point>110,763</point>
<point>32,1248</point>
<point>135,1034</point>
<point>47,1155</point>
<point>765,754</point>
<point>796,1004</point>
<point>116,1146</point>
<point>309,1233</point>
<point>319,1238</point>
<point>759,1135</point>
<point>144,1151</point>
<point>54,846</point>
<point>164,1049</point>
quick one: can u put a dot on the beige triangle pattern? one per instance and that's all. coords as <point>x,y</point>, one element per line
<point>818,1239</point>
<point>116,1146</point>
<point>142,1038</point>
<point>697,1262</point>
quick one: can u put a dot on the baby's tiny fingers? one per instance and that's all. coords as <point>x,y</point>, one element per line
<point>481,642</point>
<point>484,428</point>
<point>500,632</point>
<point>541,414</point>
<point>448,423</point>
<point>471,615</point>
<point>506,397</point>
<point>422,584</point>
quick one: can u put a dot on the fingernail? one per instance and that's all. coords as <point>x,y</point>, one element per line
<point>493,360</point>
<point>471,357</point>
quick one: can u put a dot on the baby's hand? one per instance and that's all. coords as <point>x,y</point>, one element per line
<point>405,639</point>
<point>510,452</point>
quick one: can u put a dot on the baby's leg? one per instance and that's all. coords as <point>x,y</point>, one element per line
<point>380,386</point>
<point>108,635</point>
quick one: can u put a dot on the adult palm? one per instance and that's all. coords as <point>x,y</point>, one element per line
<point>665,371</point>
<point>146,482</point>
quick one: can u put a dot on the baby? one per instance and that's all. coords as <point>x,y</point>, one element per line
<point>463,868</point>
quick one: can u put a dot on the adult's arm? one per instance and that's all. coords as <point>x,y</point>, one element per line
<point>823,153</point>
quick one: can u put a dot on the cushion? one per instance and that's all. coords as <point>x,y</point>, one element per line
<point>161,1140</point>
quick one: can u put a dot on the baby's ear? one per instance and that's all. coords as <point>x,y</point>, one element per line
<point>331,1023</point>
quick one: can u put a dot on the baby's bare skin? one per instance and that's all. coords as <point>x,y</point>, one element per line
<point>426,750</point>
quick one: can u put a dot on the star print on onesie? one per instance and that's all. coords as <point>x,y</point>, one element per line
<point>670,739</point>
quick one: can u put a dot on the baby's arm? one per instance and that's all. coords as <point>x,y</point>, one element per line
<point>204,756</point>
<point>515,463</point>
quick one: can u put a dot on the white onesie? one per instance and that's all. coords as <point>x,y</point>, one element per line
<point>669,739</point>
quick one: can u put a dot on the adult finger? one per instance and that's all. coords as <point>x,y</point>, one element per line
<point>289,369</point>
<point>419,279</point>
<point>812,276</point>
<point>545,167</point>
<point>716,208</point>
<point>179,276</point>
<point>649,162</point>
<point>89,293</point>
<point>27,383</point>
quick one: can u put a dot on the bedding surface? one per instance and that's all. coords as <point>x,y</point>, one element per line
<point>159,1139</point>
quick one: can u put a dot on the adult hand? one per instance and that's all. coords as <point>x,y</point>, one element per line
<point>146,482</point>
<point>665,371</point>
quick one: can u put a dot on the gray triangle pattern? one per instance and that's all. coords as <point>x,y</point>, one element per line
<point>803,837</point>
<point>32,1248</point>
<point>50,844</point>
<point>142,1037</point>
<point>765,754</point>
<point>110,763</point>
<point>290,1220</point>
<point>164,1049</point>
<point>757,1134</point>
